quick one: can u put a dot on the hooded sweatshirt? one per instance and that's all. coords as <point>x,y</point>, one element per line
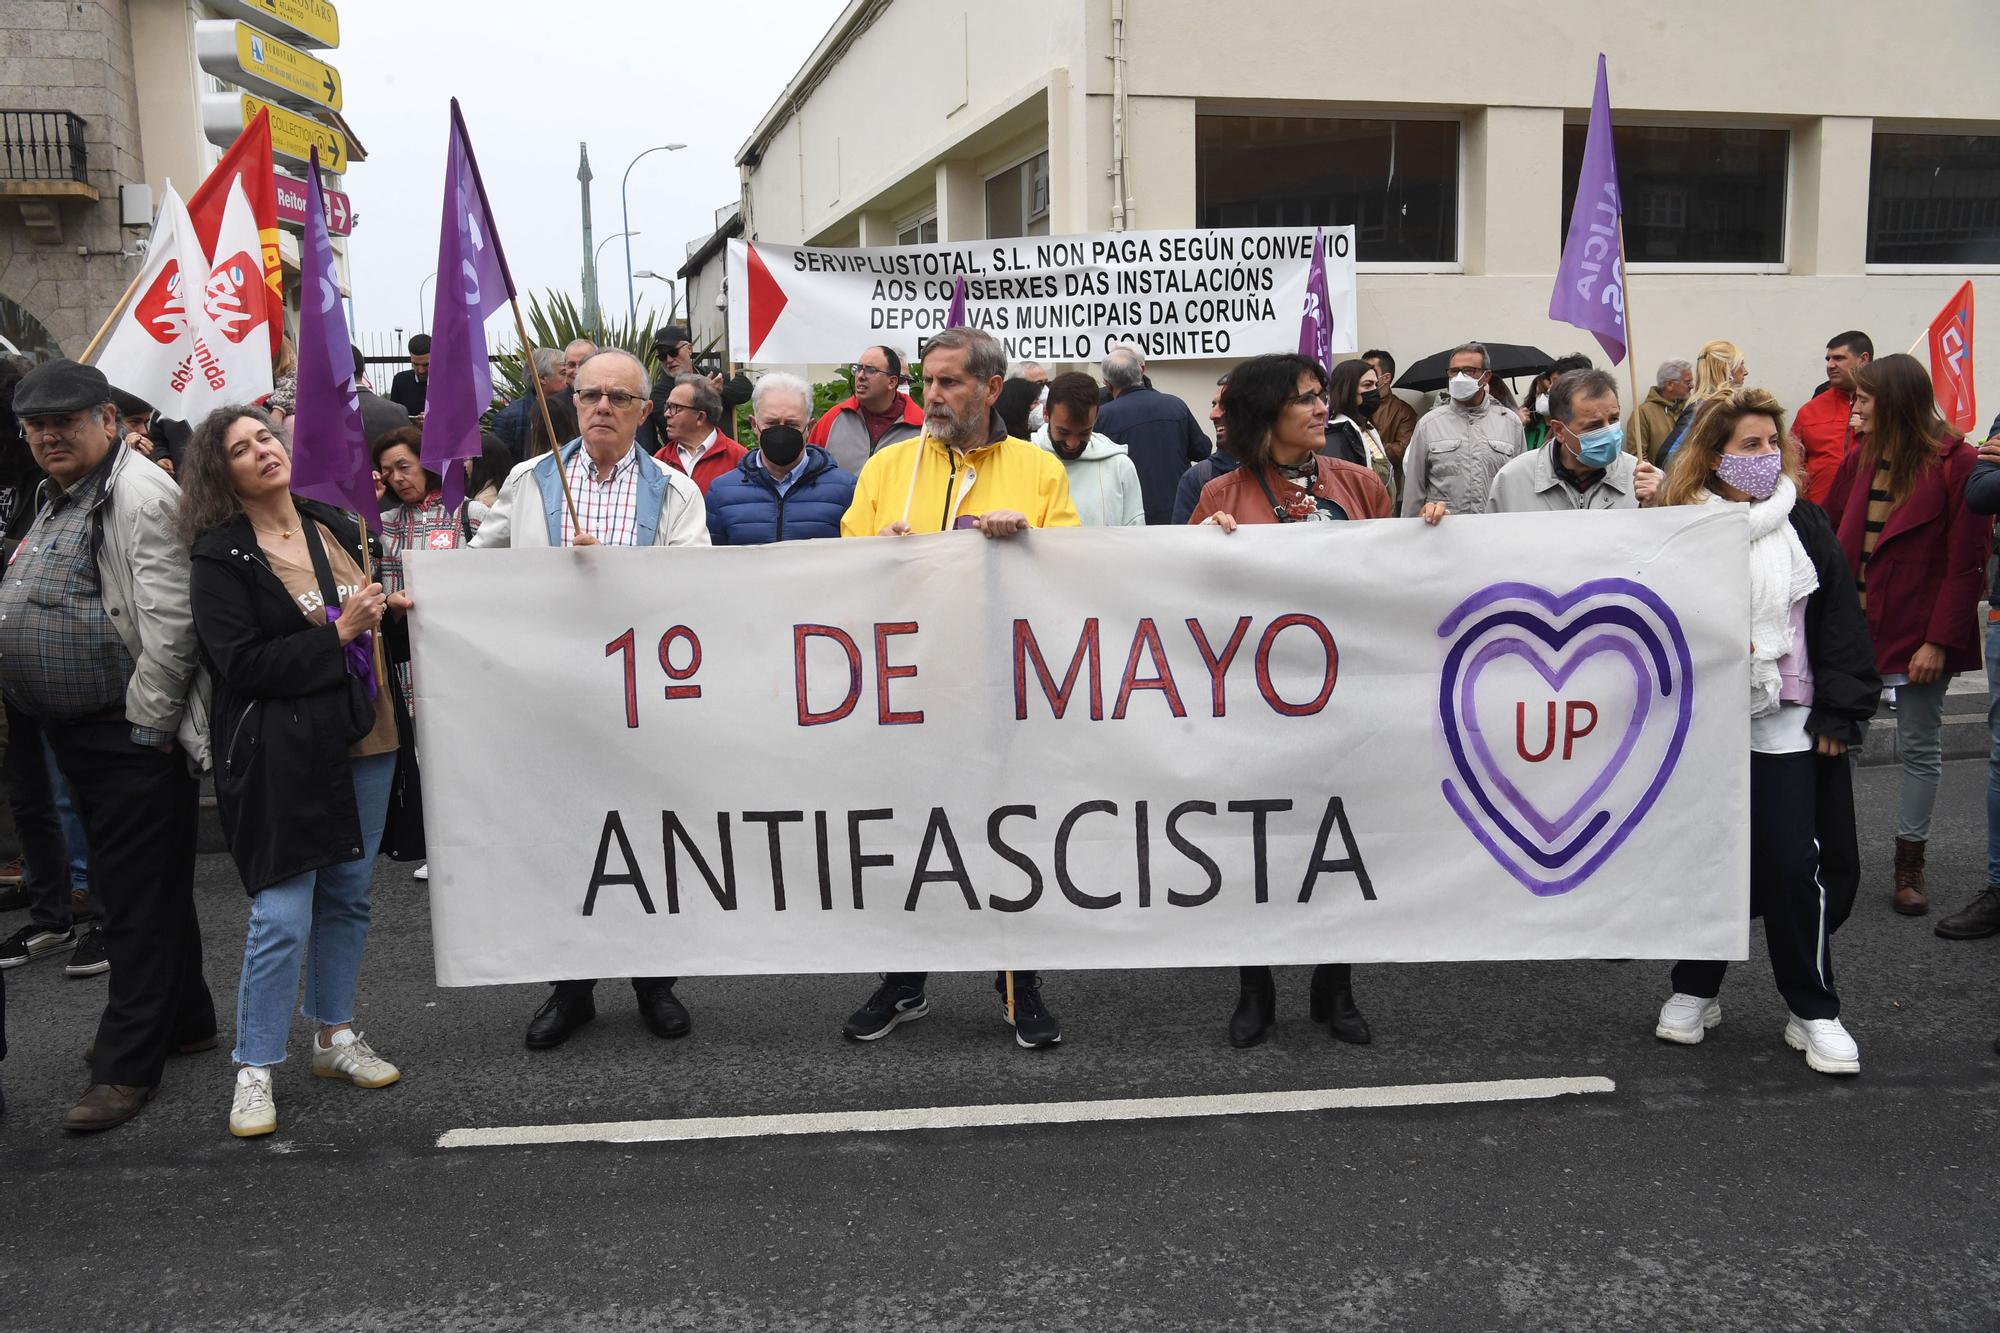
<point>932,487</point>
<point>1103,483</point>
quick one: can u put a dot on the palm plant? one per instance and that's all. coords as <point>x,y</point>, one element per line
<point>554,321</point>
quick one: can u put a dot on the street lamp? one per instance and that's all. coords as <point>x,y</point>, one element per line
<point>599,261</point>
<point>424,311</point>
<point>668,278</point>
<point>625,216</point>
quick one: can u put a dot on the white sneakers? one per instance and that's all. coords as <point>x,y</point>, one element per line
<point>254,1112</point>
<point>1828,1047</point>
<point>1687,1019</point>
<point>422,872</point>
<point>350,1057</point>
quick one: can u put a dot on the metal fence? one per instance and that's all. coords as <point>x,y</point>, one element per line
<point>43,146</point>
<point>386,353</point>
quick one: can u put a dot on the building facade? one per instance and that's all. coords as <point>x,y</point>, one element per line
<point>1789,171</point>
<point>97,96</point>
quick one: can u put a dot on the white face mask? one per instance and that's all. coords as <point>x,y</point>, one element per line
<point>1463,387</point>
<point>1541,404</point>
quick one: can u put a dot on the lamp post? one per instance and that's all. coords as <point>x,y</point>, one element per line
<point>625,216</point>
<point>608,240</point>
<point>673,303</point>
<point>423,311</point>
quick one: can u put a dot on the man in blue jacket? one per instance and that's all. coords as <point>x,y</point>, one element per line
<point>1156,429</point>
<point>785,489</point>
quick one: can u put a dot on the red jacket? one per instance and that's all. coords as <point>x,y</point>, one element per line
<point>1821,427</point>
<point>1929,566</point>
<point>720,460</point>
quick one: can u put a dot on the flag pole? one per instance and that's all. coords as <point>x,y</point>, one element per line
<point>112,318</point>
<point>1010,997</point>
<point>541,400</point>
<point>1631,361</point>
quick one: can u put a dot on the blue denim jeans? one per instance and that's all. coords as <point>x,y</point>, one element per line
<point>318,919</point>
<point>72,827</point>
<point>1993,756</point>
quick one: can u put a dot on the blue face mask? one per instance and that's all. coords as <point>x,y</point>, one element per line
<point>1599,449</point>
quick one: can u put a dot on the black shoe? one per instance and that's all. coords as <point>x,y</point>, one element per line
<point>893,1002</point>
<point>32,941</point>
<point>1256,1007</point>
<point>89,958</point>
<point>559,1016</point>
<point>1333,1003</point>
<point>13,897</point>
<point>1034,1026</point>
<point>1976,920</point>
<point>665,1015</point>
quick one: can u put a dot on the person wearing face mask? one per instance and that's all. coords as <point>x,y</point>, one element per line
<point>1535,409</point>
<point>1457,450</point>
<point>1103,484</point>
<point>1586,464</point>
<point>1353,393</point>
<point>1813,686</point>
<point>784,489</point>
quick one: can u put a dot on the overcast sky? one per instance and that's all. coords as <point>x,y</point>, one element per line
<point>532,80</point>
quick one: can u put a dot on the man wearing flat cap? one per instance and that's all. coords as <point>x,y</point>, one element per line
<point>97,645</point>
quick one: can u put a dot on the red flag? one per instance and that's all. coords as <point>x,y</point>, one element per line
<point>250,158</point>
<point>1951,362</point>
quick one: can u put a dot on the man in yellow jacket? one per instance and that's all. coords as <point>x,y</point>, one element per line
<point>964,471</point>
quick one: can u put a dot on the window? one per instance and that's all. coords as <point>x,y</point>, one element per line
<point>1934,199</point>
<point>1394,181</point>
<point>1693,195</point>
<point>1017,200</point>
<point>922,231</point>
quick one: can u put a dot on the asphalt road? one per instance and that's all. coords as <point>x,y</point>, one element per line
<point>1720,1187</point>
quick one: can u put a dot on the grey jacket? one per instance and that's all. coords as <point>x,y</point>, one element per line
<point>1529,484</point>
<point>1455,453</point>
<point>144,570</point>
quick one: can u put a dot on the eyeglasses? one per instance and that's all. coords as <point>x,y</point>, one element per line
<point>674,409</point>
<point>864,372</point>
<point>618,398</point>
<point>68,424</point>
<point>1306,400</point>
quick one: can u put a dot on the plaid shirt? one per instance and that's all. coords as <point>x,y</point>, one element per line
<point>61,659</point>
<point>607,505</point>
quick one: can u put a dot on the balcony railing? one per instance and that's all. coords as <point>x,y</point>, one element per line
<point>43,146</point>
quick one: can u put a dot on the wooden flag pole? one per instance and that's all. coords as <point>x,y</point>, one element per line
<point>1010,998</point>
<point>1631,361</point>
<point>541,399</point>
<point>112,318</point>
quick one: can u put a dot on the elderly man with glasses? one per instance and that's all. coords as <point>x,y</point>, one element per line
<point>623,498</point>
<point>879,413</point>
<point>695,443</point>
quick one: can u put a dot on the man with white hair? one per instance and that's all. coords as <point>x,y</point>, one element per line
<point>1159,433</point>
<point>623,498</point>
<point>1654,421</point>
<point>510,424</point>
<point>575,353</point>
<point>784,489</point>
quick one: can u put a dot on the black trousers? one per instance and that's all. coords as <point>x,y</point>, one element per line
<point>138,811</point>
<point>32,799</point>
<point>640,984</point>
<point>1787,887</point>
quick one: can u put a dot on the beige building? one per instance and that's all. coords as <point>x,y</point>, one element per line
<point>98,97</point>
<point>1790,169</point>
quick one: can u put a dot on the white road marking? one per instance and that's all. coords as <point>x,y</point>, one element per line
<point>1024,1113</point>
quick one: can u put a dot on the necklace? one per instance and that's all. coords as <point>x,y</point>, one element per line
<point>283,534</point>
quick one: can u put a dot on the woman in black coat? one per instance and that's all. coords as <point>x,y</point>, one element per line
<point>308,727</point>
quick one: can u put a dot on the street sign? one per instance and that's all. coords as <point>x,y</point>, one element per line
<point>238,53</point>
<point>223,116</point>
<point>312,23</point>
<point>292,205</point>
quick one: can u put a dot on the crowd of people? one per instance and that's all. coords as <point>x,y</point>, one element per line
<point>171,609</point>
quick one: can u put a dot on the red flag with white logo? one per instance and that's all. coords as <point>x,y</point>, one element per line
<point>1951,362</point>
<point>248,164</point>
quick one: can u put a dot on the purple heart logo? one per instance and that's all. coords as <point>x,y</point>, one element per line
<point>1613,622</point>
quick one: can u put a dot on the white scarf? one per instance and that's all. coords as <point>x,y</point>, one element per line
<point>1781,574</point>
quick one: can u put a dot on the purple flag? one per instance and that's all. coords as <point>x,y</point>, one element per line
<point>473,282</point>
<point>955,316</point>
<point>329,447</point>
<point>1316,319</point>
<point>1590,281</point>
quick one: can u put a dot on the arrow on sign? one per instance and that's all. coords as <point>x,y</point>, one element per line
<point>332,88</point>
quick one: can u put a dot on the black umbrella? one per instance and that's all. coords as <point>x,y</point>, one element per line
<point>1503,359</point>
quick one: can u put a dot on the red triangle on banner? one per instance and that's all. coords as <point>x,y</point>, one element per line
<point>767,300</point>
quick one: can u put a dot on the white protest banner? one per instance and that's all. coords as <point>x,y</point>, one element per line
<point>1177,294</point>
<point>1520,736</point>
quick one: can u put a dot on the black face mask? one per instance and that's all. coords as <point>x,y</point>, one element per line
<point>1370,401</point>
<point>781,444</point>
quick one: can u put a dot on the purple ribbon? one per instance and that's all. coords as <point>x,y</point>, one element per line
<point>359,653</point>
